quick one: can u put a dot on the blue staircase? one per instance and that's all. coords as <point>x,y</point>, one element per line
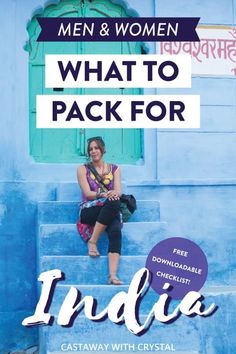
<point>59,246</point>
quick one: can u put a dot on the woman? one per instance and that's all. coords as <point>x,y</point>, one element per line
<point>101,206</point>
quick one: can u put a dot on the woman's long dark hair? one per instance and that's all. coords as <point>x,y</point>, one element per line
<point>100,143</point>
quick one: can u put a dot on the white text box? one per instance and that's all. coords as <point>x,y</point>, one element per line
<point>131,111</point>
<point>114,71</point>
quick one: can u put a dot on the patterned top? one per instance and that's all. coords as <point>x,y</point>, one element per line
<point>108,179</point>
<point>86,230</point>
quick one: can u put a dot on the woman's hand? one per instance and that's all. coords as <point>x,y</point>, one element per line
<point>112,195</point>
<point>103,195</point>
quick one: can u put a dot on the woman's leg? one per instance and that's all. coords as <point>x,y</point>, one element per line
<point>89,216</point>
<point>114,250</point>
<point>100,217</point>
<point>92,243</point>
<point>105,218</point>
<point>114,259</point>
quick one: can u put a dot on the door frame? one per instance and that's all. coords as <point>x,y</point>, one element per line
<point>145,169</point>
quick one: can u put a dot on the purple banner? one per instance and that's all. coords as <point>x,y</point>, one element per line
<point>147,29</point>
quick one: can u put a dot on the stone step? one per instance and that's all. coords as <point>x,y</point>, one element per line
<point>68,191</point>
<point>85,270</point>
<point>67,212</point>
<point>138,238</point>
<point>186,334</point>
<point>183,336</point>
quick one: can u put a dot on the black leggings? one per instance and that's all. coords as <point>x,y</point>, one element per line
<point>108,214</point>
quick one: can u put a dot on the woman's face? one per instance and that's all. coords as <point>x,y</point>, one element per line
<point>94,151</point>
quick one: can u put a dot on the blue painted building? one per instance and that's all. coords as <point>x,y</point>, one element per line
<point>190,177</point>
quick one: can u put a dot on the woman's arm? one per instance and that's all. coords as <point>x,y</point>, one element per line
<point>84,185</point>
<point>117,181</point>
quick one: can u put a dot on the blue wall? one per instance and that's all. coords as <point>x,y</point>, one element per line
<point>196,170</point>
<point>18,217</point>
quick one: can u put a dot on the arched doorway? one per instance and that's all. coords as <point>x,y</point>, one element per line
<point>69,145</point>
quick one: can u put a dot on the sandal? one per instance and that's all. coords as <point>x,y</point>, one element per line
<point>92,249</point>
<point>113,280</point>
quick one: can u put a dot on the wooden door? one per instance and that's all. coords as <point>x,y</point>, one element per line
<point>69,145</point>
